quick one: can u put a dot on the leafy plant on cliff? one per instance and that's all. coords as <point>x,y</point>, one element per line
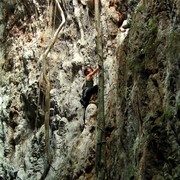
<point>145,53</point>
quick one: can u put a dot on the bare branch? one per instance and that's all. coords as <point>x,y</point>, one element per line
<point>43,56</point>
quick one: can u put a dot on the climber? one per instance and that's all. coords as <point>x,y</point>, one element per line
<point>89,94</point>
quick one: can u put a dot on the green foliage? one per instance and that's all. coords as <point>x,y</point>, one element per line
<point>146,45</point>
<point>173,46</point>
<point>141,8</point>
<point>150,37</point>
<point>136,66</point>
<point>4,11</point>
<point>168,113</point>
<point>7,9</point>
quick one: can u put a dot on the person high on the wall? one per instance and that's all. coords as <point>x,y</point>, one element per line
<point>90,91</point>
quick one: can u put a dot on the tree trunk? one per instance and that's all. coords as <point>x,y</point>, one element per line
<point>100,144</point>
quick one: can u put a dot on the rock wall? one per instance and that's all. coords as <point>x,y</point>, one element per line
<point>26,32</point>
<point>144,142</point>
<point>141,63</point>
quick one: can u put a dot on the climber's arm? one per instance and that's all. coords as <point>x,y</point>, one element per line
<point>93,72</point>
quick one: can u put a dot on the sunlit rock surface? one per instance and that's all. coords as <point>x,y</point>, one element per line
<point>141,68</point>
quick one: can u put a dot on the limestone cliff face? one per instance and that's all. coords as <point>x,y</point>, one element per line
<point>141,61</point>
<point>144,143</point>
